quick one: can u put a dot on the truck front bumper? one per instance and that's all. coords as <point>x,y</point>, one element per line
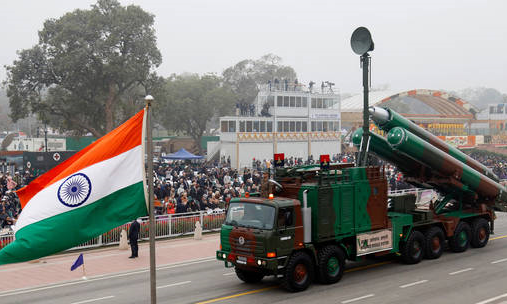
<point>271,265</point>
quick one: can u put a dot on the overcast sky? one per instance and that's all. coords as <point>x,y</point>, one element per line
<point>425,44</point>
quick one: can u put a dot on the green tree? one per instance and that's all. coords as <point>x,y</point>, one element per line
<point>189,101</point>
<point>245,76</point>
<point>87,69</point>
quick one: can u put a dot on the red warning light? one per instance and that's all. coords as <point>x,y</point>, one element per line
<point>324,161</point>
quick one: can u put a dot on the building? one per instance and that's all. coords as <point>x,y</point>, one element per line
<point>492,120</point>
<point>437,111</point>
<point>290,120</point>
<point>36,144</point>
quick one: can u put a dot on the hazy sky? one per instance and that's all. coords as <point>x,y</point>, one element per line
<point>418,44</point>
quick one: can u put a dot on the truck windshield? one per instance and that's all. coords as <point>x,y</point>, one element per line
<point>250,215</point>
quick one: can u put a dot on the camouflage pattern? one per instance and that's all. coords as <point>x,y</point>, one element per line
<point>452,171</point>
<point>397,120</point>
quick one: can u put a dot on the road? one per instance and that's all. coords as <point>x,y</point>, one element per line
<point>475,276</point>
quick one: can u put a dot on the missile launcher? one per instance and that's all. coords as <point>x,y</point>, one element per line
<point>386,119</point>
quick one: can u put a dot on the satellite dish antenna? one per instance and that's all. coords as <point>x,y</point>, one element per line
<point>361,41</point>
<point>361,44</point>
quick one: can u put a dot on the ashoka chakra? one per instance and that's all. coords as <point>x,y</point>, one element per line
<point>75,190</point>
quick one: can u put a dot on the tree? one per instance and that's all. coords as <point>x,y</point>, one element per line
<point>87,68</point>
<point>245,76</point>
<point>190,101</point>
<point>480,97</point>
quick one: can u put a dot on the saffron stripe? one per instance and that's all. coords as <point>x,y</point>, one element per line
<point>121,139</point>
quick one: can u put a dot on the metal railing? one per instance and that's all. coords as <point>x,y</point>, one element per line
<point>423,196</point>
<point>166,226</point>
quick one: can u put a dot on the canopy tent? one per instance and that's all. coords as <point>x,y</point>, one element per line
<point>182,154</point>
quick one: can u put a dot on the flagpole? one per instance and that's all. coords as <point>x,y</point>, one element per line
<point>149,151</point>
<point>84,272</point>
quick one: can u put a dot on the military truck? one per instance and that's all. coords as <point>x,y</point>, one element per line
<point>321,216</point>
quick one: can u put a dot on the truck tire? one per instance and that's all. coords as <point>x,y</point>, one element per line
<point>331,260</point>
<point>461,239</point>
<point>434,242</point>
<point>249,276</point>
<point>412,251</point>
<point>480,233</point>
<point>299,272</point>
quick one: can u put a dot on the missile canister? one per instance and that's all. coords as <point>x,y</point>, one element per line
<point>380,147</point>
<point>422,151</point>
<point>387,119</point>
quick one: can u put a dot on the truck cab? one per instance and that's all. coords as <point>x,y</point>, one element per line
<point>259,234</point>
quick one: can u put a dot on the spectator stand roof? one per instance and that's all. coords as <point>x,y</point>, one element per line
<point>182,154</point>
<point>415,103</point>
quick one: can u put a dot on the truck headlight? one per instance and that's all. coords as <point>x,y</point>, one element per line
<point>224,256</point>
<point>259,262</point>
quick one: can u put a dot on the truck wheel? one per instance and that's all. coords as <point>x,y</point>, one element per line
<point>480,233</point>
<point>331,261</point>
<point>412,251</point>
<point>461,238</point>
<point>434,242</point>
<point>299,273</point>
<point>249,276</point>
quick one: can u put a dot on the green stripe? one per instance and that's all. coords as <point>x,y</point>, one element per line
<point>77,226</point>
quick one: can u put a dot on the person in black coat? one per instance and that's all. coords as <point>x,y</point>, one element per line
<point>133,235</point>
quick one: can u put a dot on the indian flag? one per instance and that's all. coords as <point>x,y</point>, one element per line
<point>99,188</point>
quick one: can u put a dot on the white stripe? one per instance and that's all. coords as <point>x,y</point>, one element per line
<point>92,300</point>
<point>460,271</point>
<point>229,273</point>
<point>175,284</point>
<point>357,299</point>
<point>493,299</point>
<point>498,261</point>
<point>106,177</point>
<point>412,284</point>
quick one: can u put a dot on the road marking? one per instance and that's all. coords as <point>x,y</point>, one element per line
<point>412,284</point>
<point>93,300</point>
<point>175,284</point>
<point>460,271</point>
<point>229,273</point>
<point>499,261</point>
<point>357,299</point>
<point>499,237</point>
<point>492,299</point>
<point>102,277</point>
<point>238,295</point>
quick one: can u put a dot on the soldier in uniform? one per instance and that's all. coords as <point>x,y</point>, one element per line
<point>266,187</point>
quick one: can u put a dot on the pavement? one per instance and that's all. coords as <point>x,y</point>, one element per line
<point>103,261</point>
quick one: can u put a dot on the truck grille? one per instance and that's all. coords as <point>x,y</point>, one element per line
<point>248,248</point>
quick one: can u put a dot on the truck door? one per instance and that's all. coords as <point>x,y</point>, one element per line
<point>286,231</point>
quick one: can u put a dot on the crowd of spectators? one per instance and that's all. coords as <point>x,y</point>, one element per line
<point>188,187</point>
<point>497,162</point>
<point>9,202</point>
